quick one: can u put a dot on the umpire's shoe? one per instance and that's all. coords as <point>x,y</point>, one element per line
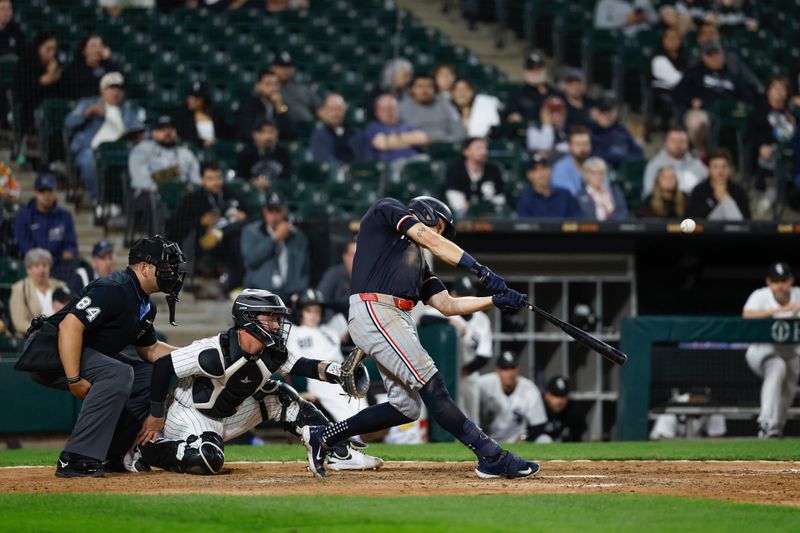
<point>77,465</point>
<point>508,465</point>
<point>317,450</point>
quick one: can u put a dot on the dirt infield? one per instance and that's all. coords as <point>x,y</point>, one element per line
<point>741,481</point>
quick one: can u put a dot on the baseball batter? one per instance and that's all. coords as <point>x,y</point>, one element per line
<point>224,390</point>
<point>390,276</point>
<point>777,364</point>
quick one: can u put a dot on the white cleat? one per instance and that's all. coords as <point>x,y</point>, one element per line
<point>354,460</point>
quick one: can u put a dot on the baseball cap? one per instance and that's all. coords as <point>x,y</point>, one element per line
<point>711,47</point>
<point>574,74</point>
<point>606,103</point>
<point>45,182</point>
<point>533,61</point>
<point>558,386</point>
<point>198,88</point>
<point>275,200</point>
<point>537,161</point>
<point>260,123</point>
<point>507,359</point>
<point>283,59</point>
<point>554,103</point>
<point>102,247</point>
<point>112,79</point>
<point>163,121</point>
<point>779,271</point>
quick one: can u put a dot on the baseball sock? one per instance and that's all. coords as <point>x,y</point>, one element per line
<point>373,418</point>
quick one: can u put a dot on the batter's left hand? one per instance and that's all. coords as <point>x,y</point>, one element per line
<point>510,300</point>
<point>494,283</point>
<point>151,428</point>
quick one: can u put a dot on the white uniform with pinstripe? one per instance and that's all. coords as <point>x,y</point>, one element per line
<point>183,419</point>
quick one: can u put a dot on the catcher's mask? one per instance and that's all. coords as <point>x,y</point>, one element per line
<point>167,257</point>
<point>264,315</point>
<point>429,211</point>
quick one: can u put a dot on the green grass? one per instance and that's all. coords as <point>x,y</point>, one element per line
<point>565,512</point>
<point>724,449</point>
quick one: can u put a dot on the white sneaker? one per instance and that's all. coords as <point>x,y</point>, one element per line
<point>354,460</point>
<point>133,461</point>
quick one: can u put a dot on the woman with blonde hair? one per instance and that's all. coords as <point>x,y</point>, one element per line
<point>33,296</point>
<point>666,200</point>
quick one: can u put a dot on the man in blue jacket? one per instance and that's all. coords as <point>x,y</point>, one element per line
<point>611,141</point>
<point>42,224</point>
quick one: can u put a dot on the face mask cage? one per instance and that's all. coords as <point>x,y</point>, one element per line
<point>270,328</point>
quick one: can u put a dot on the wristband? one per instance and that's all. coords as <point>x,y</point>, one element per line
<point>468,262</point>
<point>74,380</point>
<point>157,409</point>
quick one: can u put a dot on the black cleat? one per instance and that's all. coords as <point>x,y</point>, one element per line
<point>76,465</point>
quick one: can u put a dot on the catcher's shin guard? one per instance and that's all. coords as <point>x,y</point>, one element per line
<point>196,455</point>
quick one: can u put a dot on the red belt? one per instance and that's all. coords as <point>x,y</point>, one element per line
<point>400,303</point>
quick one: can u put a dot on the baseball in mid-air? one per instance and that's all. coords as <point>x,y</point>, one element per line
<point>688,226</point>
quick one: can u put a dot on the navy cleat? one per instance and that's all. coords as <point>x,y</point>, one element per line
<point>508,465</point>
<point>317,450</point>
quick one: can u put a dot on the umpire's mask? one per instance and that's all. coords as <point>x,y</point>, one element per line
<point>167,258</point>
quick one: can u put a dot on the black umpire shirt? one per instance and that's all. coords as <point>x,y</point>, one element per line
<point>388,262</point>
<point>115,312</point>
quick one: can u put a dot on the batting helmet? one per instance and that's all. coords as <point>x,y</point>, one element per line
<point>254,302</point>
<point>429,210</point>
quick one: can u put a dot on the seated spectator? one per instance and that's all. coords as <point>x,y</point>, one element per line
<point>61,297</point>
<point>214,217</point>
<point>567,170</point>
<point>266,102</point>
<point>717,198</point>
<point>43,224</point>
<point>263,160</point>
<point>666,200</point>
<point>666,71</point>
<point>97,120</point>
<point>600,200</point>
<point>12,40</point>
<point>102,265</point>
<point>301,100</point>
<point>524,101</point>
<point>473,180</point>
<point>37,78</point>
<point>732,15</point>
<point>510,404</point>
<point>444,78</point>
<point>564,422</point>
<point>333,141</point>
<point>676,155</point>
<point>91,63</point>
<point>10,192</point>
<point>708,32</point>
<point>389,140</point>
<point>198,122</point>
<point>612,141</point>
<point>578,104</point>
<point>335,287</point>
<point>542,199</point>
<point>33,295</point>
<point>478,112</point>
<point>427,111</point>
<point>548,138</point>
<point>396,77</point>
<point>275,253</point>
<point>628,16</point>
<point>679,16</point>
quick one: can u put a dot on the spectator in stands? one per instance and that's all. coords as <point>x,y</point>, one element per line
<point>473,180</point>
<point>676,155</point>
<point>732,15</point>
<point>478,112</point>
<point>611,140</point>
<point>33,295</point>
<point>678,16</point>
<point>427,111</point>
<point>389,140</point>
<point>61,297</point>
<point>160,159</point>
<point>301,100</point>
<point>542,199</point>
<point>335,288</point>
<point>92,62</point>
<point>43,224</point>
<point>666,200</point>
<point>599,199</point>
<point>266,102</point>
<point>717,198</point>
<point>524,101</point>
<point>198,122</point>
<point>114,7</point>
<point>97,120</point>
<point>548,138</point>
<point>666,71</point>
<point>396,77</point>
<point>628,16</point>
<point>733,63</point>
<point>12,40</point>
<point>444,77</point>
<point>37,77</point>
<point>333,141</point>
<point>578,104</point>
<point>263,160</point>
<point>102,265</point>
<point>214,216</point>
<point>567,170</point>
<point>275,252</point>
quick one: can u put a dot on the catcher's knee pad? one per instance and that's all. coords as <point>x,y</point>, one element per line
<point>196,455</point>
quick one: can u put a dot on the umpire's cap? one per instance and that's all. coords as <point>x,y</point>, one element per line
<point>429,210</point>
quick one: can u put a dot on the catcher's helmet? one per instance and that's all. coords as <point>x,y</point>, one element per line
<point>429,210</point>
<point>252,303</point>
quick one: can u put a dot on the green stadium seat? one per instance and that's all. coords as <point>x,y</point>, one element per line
<point>225,153</point>
<point>170,195</point>
<point>630,178</point>
<point>367,172</point>
<point>11,271</point>
<point>50,116</point>
<point>424,174</point>
<point>313,172</point>
<point>250,197</point>
<point>111,160</point>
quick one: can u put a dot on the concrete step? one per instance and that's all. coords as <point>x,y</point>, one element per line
<point>196,318</point>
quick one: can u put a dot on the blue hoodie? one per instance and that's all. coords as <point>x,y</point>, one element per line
<point>615,145</point>
<point>53,231</point>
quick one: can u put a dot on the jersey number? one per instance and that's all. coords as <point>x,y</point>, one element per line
<point>91,312</point>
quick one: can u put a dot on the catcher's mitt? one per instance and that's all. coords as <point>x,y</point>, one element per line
<point>354,375</point>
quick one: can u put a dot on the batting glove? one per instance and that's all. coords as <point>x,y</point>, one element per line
<point>510,300</point>
<point>494,283</point>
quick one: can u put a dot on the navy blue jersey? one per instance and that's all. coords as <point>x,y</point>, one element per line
<point>388,262</point>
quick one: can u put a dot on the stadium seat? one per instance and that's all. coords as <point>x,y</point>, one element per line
<point>225,153</point>
<point>313,172</point>
<point>630,180</point>
<point>50,115</point>
<point>111,160</point>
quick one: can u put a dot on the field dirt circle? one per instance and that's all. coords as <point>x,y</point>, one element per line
<point>741,481</point>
